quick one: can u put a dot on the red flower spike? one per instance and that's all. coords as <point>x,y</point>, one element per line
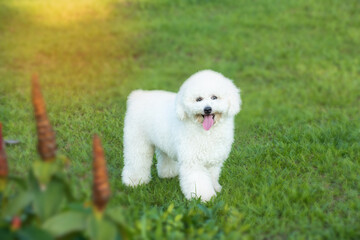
<point>4,170</point>
<point>46,135</point>
<point>15,223</point>
<point>101,186</point>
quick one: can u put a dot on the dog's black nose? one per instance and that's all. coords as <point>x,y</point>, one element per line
<point>207,110</point>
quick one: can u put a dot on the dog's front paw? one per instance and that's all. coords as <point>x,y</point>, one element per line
<point>133,179</point>
<point>200,188</point>
<point>205,196</point>
<point>217,187</point>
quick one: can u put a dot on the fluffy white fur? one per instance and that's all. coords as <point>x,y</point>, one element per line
<point>170,125</point>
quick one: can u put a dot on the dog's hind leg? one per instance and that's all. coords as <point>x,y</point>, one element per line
<point>166,167</point>
<point>138,155</point>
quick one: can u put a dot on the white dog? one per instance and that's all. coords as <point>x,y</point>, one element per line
<point>191,133</point>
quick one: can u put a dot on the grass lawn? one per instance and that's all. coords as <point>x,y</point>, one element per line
<point>294,170</point>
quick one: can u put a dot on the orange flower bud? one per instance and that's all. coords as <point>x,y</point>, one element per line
<point>15,223</point>
<point>46,135</point>
<point>101,186</point>
<point>4,171</point>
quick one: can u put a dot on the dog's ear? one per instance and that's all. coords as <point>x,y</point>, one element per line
<point>234,100</point>
<point>179,108</point>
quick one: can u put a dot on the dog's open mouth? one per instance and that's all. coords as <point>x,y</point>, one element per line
<point>208,121</point>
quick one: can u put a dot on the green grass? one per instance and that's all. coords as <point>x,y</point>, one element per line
<point>294,169</point>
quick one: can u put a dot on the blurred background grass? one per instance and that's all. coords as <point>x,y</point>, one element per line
<point>294,168</point>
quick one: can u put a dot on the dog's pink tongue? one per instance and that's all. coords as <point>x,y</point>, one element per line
<point>208,122</point>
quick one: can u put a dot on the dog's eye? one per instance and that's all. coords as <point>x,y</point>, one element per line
<point>199,99</point>
<point>214,97</point>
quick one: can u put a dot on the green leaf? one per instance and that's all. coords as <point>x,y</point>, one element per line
<point>67,187</point>
<point>33,233</point>
<point>49,201</point>
<point>6,234</point>
<point>204,210</point>
<point>43,171</point>
<point>100,228</point>
<point>65,223</point>
<point>18,180</point>
<point>116,215</point>
<point>19,203</point>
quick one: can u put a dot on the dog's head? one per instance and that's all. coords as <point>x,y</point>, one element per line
<point>206,98</point>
